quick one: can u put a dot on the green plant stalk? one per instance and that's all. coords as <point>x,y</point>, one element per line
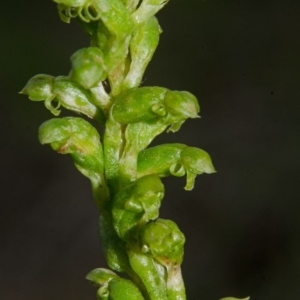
<point>104,85</point>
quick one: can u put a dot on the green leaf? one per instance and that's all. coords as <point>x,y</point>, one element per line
<point>135,205</point>
<point>88,67</point>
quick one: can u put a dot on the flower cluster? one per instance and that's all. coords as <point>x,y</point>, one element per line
<point>104,85</point>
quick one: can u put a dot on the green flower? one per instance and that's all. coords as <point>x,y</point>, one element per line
<point>163,240</point>
<point>176,160</point>
<point>104,85</point>
<point>135,205</point>
<point>65,92</point>
<point>81,140</point>
<point>153,103</point>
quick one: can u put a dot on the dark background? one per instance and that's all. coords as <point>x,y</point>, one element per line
<point>241,59</point>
